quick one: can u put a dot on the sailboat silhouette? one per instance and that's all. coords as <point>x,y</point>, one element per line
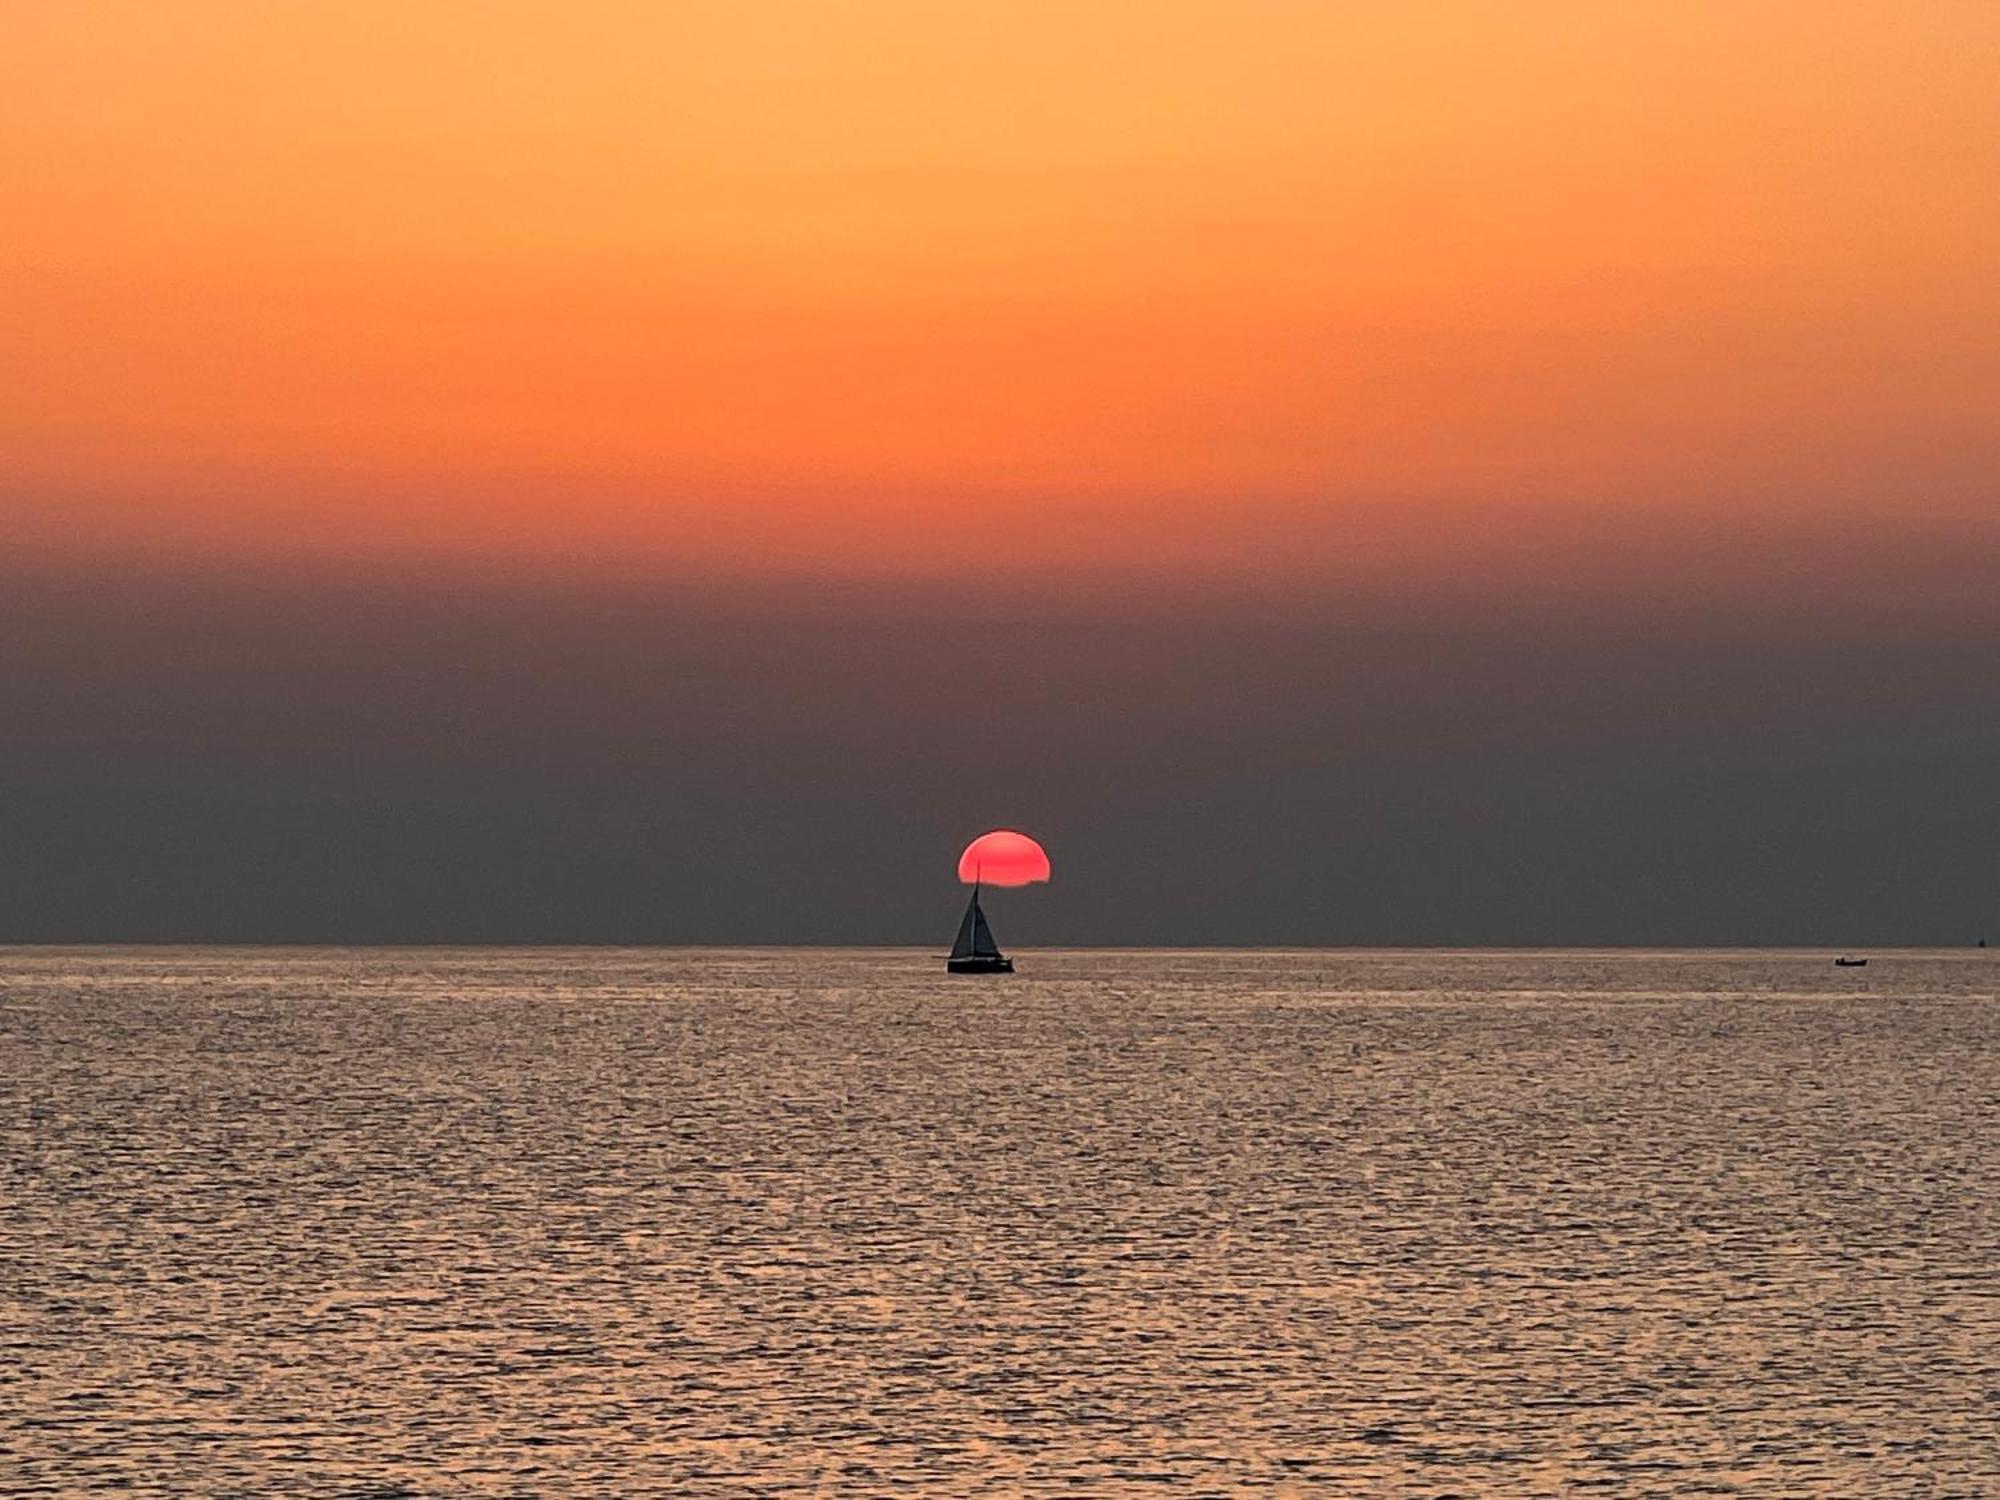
<point>974,951</point>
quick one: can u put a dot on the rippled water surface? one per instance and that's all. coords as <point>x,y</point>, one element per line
<point>435,1222</point>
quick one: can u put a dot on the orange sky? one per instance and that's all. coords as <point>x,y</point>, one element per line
<point>830,284</point>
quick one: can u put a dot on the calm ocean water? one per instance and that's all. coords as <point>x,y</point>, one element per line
<point>619,1222</point>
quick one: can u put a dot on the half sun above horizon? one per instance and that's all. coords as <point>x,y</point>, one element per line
<point>1003,858</point>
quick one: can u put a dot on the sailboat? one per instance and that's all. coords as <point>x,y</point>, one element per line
<point>975,952</point>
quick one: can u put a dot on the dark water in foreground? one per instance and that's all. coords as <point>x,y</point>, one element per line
<point>434,1222</point>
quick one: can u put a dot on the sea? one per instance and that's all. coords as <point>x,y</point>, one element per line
<point>619,1222</point>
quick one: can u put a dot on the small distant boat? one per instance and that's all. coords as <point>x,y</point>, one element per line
<point>1850,963</point>
<point>975,952</point>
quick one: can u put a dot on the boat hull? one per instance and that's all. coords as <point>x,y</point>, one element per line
<point>995,965</point>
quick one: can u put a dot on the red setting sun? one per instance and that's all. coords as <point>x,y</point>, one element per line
<point>1003,858</point>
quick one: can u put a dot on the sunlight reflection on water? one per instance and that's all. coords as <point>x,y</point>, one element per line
<point>434,1222</point>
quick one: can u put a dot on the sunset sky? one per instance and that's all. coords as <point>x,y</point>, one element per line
<point>1457,472</point>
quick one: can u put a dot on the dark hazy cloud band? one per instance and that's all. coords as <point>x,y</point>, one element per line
<point>409,755</point>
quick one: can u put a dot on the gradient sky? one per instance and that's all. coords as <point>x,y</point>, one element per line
<point>1388,472</point>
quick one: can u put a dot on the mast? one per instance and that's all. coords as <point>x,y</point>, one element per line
<point>967,941</point>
